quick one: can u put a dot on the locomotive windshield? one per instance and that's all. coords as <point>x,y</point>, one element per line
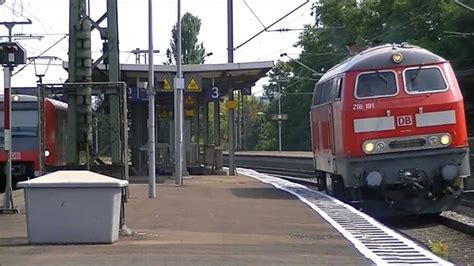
<point>24,129</point>
<point>376,84</point>
<point>420,80</point>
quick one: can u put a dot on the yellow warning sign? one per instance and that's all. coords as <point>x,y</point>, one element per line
<point>167,85</point>
<point>231,104</point>
<point>163,114</point>
<point>193,85</point>
<point>189,113</point>
<point>189,101</point>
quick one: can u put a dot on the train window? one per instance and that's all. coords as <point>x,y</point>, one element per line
<point>317,94</point>
<point>323,92</point>
<point>24,129</point>
<point>24,123</point>
<point>338,87</point>
<point>422,80</point>
<point>376,84</point>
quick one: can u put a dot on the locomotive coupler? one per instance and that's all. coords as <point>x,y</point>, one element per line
<point>411,175</point>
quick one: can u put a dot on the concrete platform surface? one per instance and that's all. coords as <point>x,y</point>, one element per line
<point>211,220</point>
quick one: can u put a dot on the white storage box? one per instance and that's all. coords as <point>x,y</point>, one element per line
<point>73,207</point>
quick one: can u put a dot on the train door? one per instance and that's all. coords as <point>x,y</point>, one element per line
<point>321,125</point>
<point>336,118</point>
<point>334,182</point>
<point>315,137</point>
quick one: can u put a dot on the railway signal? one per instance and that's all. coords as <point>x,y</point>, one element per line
<point>11,54</point>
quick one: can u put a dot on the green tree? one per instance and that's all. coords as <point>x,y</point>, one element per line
<point>257,135</point>
<point>193,52</point>
<point>336,23</point>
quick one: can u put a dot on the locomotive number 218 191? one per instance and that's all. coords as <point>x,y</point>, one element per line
<point>360,106</point>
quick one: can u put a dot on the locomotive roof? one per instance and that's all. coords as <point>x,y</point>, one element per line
<point>380,57</point>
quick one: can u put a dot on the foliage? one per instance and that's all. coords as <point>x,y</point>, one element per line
<point>337,23</point>
<point>256,137</point>
<point>193,52</point>
<point>439,248</point>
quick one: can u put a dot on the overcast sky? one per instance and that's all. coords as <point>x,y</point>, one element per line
<point>50,18</point>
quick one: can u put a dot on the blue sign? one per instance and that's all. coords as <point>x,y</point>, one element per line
<point>137,95</point>
<point>246,91</point>
<point>213,94</point>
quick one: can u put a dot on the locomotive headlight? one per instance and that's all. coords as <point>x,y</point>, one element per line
<point>445,139</point>
<point>46,153</point>
<point>433,141</point>
<point>380,146</point>
<point>368,147</point>
<point>16,98</point>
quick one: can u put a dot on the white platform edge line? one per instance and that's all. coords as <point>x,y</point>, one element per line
<point>280,184</point>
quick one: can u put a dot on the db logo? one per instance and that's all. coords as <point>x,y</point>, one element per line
<point>404,120</point>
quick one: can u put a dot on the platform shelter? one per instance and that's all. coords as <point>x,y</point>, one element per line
<point>206,87</point>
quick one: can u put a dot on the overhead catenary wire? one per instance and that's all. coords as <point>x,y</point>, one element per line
<point>255,15</point>
<point>43,25</point>
<point>271,25</point>
<point>464,5</point>
<point>14,12</point>
<point>303,12</point>
<point>45,51</point>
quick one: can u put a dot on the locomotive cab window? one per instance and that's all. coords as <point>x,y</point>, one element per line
<point>376,84</point>
<point>422,80</point>
<point>323,92</point>
<point>338,89</point>
<point>316,94</point>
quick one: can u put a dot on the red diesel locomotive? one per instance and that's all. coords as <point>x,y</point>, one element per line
<point>389,133</point>
<point>25,145</point>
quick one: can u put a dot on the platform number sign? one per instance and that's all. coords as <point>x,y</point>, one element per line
<point>404,120</point>
<point>213,94</point>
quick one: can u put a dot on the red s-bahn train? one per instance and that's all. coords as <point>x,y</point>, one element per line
<point>25,145</point>
<point>389,133</point>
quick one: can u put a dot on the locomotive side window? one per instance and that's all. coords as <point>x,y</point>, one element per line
<point>323,92</point>
<point>422,80</point>
<point>338,89</point>
<point>326,92</point>
<point>376,84</point>
<point>316,94</point>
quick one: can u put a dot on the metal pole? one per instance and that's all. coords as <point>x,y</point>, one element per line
<point>230,59</point>
<point>8,196</point>
<point>217,124</point>
<point>151,108</point>
<point>178,109</point>
<point>41,133</point>
<point>96,135</point>
<point>279,117</point>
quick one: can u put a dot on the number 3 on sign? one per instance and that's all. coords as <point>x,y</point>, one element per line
<point>215,93</point>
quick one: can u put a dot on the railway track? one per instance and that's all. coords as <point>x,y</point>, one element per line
<point>445,236</point>
<point>468,200</point>
<point>434,232</point>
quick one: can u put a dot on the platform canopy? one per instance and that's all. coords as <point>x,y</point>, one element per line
<point>235,76</point>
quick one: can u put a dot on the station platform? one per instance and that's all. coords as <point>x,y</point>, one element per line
<point>211,220</point>
<point>297,154</point>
